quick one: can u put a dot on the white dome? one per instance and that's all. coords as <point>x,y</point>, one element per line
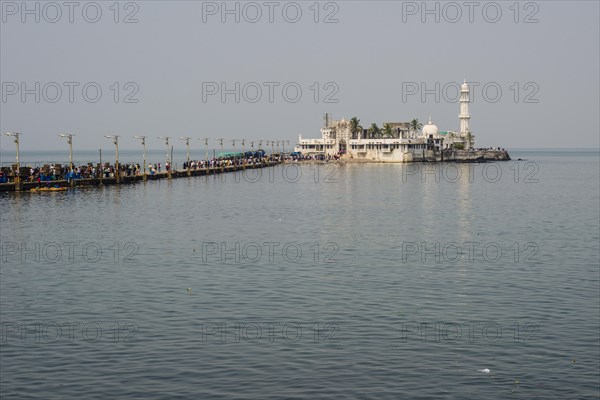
<point>464,86</point>
<point>430,129</point>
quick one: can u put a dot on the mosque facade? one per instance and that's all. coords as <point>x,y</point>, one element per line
<point>403,144</point>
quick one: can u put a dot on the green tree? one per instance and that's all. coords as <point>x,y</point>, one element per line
<point>415,126</point>
<point>355,127</point>
<point>387,131</point>
<point>374,131</point>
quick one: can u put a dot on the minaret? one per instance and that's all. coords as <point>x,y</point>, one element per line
<point>464,109</point>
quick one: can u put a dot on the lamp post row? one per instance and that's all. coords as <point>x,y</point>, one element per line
<point>69,137</point>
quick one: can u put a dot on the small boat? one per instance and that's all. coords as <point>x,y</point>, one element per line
<point>49,189</point>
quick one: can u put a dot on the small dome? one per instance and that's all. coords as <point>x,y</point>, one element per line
<point>464,86</point>
<point>430,128</point>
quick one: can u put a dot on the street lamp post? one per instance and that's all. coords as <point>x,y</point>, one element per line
<point>222,166</point>
<point>288,142</point>
<point>187,143</point>
<point>116,142</point>
<point>244,153</point>
<point>234,155</point>
<point>101,167</point>
<point>206,155</point>
<point>69,137</point>
<point>166,139</point>
<point>143,139</point>
<point>16,135</point>
<point>278,150</point>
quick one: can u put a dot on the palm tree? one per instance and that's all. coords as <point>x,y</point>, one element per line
<point>415,125</point>
<point>387,130</point>
<point>374,130</point>
<point>355,127</point>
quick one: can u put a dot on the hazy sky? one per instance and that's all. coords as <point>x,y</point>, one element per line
<point>378,60</point>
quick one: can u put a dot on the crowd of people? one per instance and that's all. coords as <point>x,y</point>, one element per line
<point>53,172</point>
<point>296,156</point>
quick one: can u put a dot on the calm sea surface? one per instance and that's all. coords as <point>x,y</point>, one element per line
<point>357,281</point>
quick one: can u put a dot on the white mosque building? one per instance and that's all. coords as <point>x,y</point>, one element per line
<point>403,145</point>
